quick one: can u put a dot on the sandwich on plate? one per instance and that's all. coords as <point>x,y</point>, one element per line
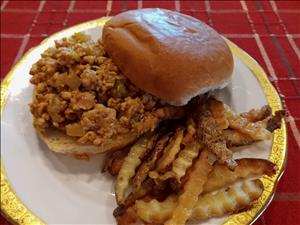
<point>96,97</point>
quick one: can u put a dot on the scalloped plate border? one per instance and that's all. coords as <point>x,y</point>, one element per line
<point>18,213</point>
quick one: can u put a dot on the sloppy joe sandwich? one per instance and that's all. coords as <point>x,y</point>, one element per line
<point>93,97</point>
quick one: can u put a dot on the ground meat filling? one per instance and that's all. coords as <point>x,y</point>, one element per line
<point>80,91</point>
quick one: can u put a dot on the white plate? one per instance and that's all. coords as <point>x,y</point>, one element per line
<point>58,189</point>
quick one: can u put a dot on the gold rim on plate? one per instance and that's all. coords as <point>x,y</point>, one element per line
<point>18,213</point>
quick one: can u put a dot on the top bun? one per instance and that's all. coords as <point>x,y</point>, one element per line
<point>168,54</point>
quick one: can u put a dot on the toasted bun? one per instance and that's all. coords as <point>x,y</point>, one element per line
<point>59,142</point>
<point>170,55</point>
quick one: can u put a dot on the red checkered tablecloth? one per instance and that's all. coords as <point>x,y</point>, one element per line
<point>268,30</point>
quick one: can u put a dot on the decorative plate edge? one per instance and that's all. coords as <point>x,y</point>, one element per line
<point>279,146</point>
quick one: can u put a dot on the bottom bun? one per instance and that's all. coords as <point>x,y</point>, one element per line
<point>59,142</point>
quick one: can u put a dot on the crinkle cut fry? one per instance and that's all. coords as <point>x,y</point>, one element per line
<point>218,112</point>
<point>234,199</point>
<point>154,211</point>
<point>185,159</point>
<point>222,176</point>
<point>150,163</point>
<point>192,188</point>
<point>210,133</point>
<point>131,162</point>
<point>181,164</point>
<point>256,131</point>
<point>252,126</point>
<point>170,151</point>
<point>248,127</point>
<point>113,161</point>
<point>236,137</point>
<point>255,115</point>
<point>145,189</point>
<point>219,177</point>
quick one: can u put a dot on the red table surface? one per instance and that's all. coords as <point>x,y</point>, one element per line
<point>268,31</point>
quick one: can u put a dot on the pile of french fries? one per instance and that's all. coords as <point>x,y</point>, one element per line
<point>188,172</point>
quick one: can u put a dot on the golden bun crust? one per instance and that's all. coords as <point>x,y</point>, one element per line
<point>58,141</point>
<point>170,55</point>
